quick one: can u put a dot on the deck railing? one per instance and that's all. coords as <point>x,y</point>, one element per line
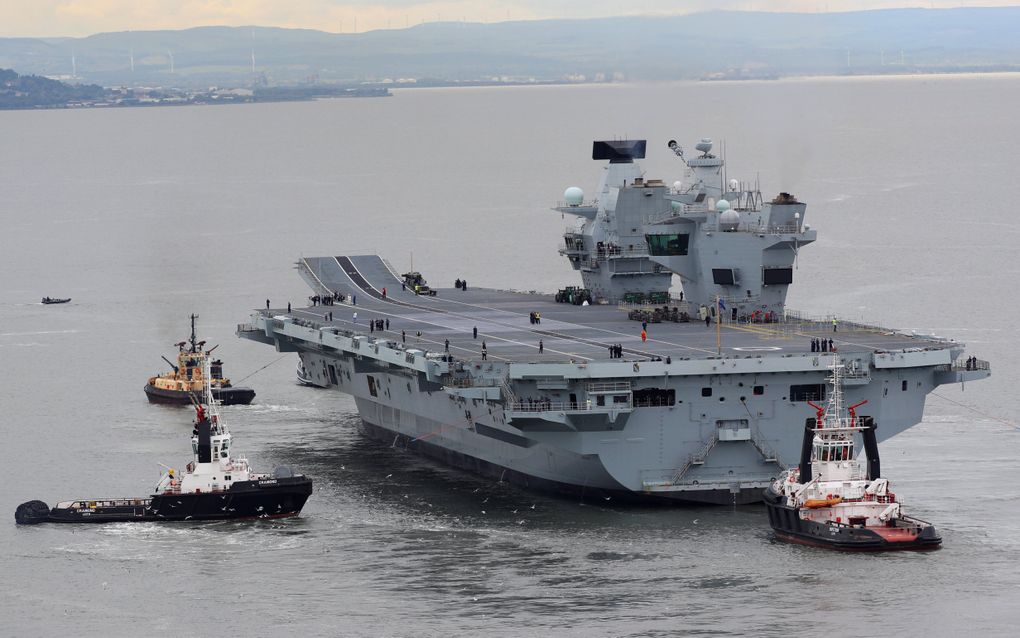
<point>608,386</point>
<point>106,502</point>
<point>565,406</point>
<point>963,365</point>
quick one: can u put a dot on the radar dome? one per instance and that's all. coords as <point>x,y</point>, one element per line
<point>729,219</point>
<point>734,185</point>
<point>722,205</point>
<point>677,185</point>
<point>676,206</point>
<point>574,196</point>
<point>705,145</point>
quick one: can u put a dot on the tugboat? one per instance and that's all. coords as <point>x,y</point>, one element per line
<point>53,300</point>
<point>835,501</point>
<point>215,486</point>
<point>184,385</point>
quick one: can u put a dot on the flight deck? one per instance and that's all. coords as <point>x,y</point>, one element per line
<point>566,332</point>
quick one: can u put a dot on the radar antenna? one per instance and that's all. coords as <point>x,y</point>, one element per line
<point>676,148</point>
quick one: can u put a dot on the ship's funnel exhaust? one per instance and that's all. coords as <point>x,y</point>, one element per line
<point>204,441</point>
<point>805,450</point>
<point>871,447</point>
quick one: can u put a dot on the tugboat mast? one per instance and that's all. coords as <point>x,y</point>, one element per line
<point>193,339</point>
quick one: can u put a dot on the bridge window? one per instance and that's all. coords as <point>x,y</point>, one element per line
<point>371,386</point>
<point>834,451</point>
<point>776,276</point>
<point>808,392</point>
<point>660,245</point>
<point>759,390</point>
<point>706,392</point>
<point>724,277</point>
<point>904,387</point>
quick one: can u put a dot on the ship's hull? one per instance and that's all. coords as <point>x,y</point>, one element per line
<point>580,483</point>
<point>269,498</point>
<point>226,396</point>
<point>663,422</point>
<point>611,461</point>
<point>903,533</point>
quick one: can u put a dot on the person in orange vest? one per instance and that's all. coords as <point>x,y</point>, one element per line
<point>644,336</point>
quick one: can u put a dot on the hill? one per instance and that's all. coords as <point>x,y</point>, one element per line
<point>31,91</point>
<point>644,48</point>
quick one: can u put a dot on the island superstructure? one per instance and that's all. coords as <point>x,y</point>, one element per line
<point>573,398</point>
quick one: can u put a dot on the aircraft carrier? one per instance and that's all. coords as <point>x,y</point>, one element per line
<point>624,386</point>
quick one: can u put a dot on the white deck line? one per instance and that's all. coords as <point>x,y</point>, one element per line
<point>517,316</point>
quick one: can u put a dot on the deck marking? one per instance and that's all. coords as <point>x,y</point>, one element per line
<point>548,333</point>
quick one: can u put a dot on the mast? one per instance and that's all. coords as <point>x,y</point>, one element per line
<point>207,381</point>
<point>194,339</point>
<point>718,328</point>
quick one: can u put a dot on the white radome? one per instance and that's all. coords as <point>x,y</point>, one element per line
<point>573,196</point>
<point>722,205</point>
<point>729,219</point>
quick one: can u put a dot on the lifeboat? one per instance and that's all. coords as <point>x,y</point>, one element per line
<point>815,503</point>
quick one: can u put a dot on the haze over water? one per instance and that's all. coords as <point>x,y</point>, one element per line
<point>145,215</point>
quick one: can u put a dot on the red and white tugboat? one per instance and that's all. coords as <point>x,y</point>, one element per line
<point>215,486</point>
<point>836,501</point>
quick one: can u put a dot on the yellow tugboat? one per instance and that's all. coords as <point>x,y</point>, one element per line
<point>184,385</point>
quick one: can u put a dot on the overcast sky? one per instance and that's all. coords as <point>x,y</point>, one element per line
<point>85,17</point>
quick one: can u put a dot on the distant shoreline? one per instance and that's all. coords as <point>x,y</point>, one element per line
<point>388,90</point>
